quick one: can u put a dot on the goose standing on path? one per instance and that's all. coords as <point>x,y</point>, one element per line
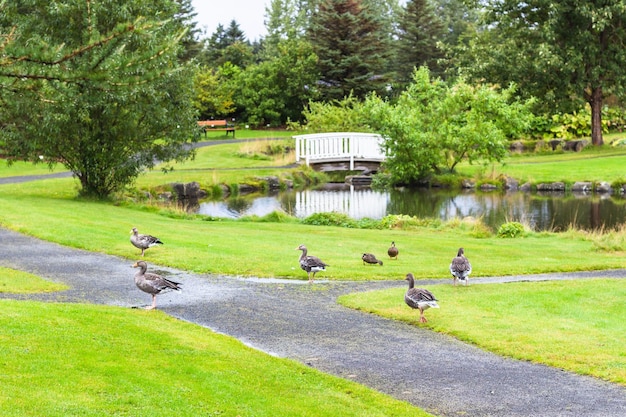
<point>151,283</point>
<point>460,268</point>
<point>143,242</point>
<point>393,251</point>
<point>310,264</point>
<point>419,298</point>
<point>370,258</point>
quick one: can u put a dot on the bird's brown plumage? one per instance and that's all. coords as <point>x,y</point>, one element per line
<point>419,298</point>
<point>153,284</point>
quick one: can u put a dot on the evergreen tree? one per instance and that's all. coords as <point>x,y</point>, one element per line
<point>352,48</point>
<point>420,32</point>
<point>227,45</point>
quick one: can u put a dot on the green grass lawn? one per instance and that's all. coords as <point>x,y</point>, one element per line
<point>604,163</point>
<point>267,249</point>
<point>83,360</point>
<point>579,326</point>
<point>19,282</point>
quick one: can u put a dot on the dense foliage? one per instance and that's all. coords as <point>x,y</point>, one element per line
<point>97,87</point>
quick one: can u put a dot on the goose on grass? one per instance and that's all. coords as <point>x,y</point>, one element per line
<point>419,298</point>
<point>143,242</point>
<point>310,264</point>
<point>370,258</point>
<point>393,251</point>
<point>460,268</point>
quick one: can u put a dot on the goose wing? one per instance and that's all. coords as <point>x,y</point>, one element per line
<point>460,267</point>
<point>419,298</point>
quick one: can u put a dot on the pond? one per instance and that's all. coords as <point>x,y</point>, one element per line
<point>542,211</point>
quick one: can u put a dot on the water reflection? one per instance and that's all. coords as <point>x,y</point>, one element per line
<point>542,211</point>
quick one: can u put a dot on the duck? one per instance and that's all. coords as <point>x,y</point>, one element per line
<point>153,284</point>
<point>393,251</point>
<point>460,268</point>
<point>310,264</point>
<point>370,258</point>
<point>419,298</point>
<point>143,242</point>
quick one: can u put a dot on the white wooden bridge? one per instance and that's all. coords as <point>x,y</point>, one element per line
<point>339,147</point>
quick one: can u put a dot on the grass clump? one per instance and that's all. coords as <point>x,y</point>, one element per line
<point>574,325</point>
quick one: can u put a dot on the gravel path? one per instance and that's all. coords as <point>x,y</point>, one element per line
<point>294,320</point>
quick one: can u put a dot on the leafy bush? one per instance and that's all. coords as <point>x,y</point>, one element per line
<point>511,230</point>
<point>330,219</point>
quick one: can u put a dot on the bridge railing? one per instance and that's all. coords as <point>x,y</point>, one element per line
<point>339,146</point>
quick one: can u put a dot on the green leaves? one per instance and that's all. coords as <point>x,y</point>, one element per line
<point>99,89</point>
<point>433,126</point>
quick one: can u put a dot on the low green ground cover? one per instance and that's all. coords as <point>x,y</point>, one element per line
<point>20,282</point>
<point>267,249</point>
<point>82,360</point>
<point>579,326</point>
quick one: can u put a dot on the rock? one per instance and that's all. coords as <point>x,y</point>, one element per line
<point>575,145</point>
<point>604,188</point>
<point>468,183</point>
<point>167,196</point>
<point>582,187</point>
<point>555,186</point>
<point>526,187</point>
<point>555,143</point>
<point>488,187</point>
<point>188,191</point>
<point>516,147</point>
<point>511,184</point>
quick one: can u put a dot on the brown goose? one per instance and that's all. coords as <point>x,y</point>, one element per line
<point>143,242</point>
<point>460,268</point>
<point>151,283</point>
<point>393,251</point>
<point>310,264</point>
<point>370,258</point>
<point>419,298</point>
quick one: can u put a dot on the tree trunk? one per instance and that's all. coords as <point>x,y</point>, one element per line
<point>596,116</point>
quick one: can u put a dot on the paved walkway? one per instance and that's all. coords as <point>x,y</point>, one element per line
<point>302,322</point>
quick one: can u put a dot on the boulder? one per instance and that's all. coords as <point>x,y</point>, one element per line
<point>604,188</point>
<point>582,187</point>
<point>554,186</point>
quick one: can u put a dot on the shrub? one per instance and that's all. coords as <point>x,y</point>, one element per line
<point>511,230</point>
<point>330,219</point>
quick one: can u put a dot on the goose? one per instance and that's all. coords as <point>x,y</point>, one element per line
<point>310,263</point>
<point>460,268</point>
<point>370,258</point>
<point>419,298</point>
<point>393,251</point>
<point>143,242</point>
<point>151,283</point>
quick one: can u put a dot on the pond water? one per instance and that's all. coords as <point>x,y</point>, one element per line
<point>542,211</point>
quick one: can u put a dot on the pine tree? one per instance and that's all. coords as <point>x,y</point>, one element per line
<point>420,30</point>
<point>352,49</point>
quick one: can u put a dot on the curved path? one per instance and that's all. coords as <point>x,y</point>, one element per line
<point>294,320</point>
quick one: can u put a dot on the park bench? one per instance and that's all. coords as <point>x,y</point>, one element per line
<point>211,125</point>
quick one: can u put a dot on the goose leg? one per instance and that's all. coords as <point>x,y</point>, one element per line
<point>422,318</point>
<point>153,306</point>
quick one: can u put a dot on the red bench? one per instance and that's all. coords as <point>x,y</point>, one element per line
<point>210,125</point>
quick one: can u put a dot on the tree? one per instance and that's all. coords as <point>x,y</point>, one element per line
<point>96,87</point>
<point>419,35</point>
<point>433,126</point>
<point>227,45</point>
<point>276,90</point>
<point>555,50</point>
<point>351,46</point>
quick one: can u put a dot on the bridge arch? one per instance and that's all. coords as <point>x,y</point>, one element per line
<point>332,147</point>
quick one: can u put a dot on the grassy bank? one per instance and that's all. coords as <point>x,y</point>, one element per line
<point>579,326</point>
<point>81,360</point>
<point>267,249</point>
